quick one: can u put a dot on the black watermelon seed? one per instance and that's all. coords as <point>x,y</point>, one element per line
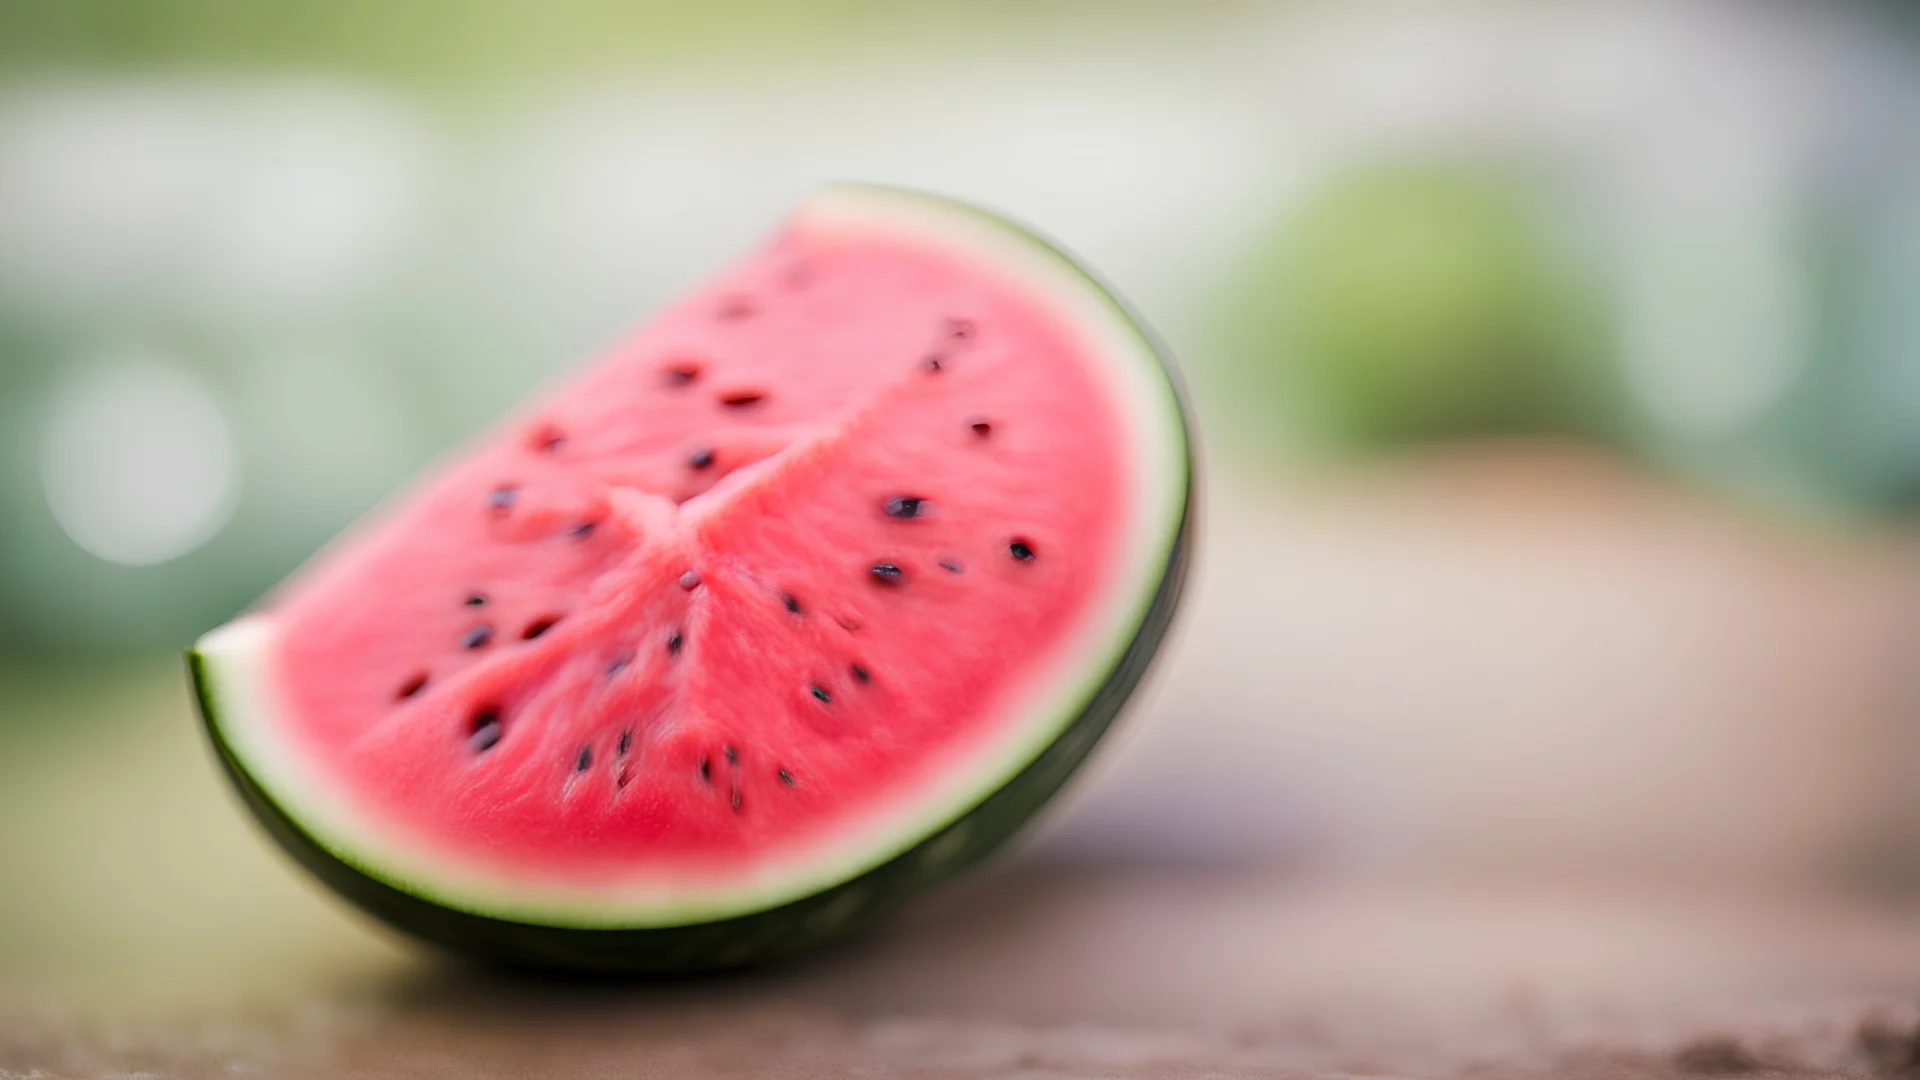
<point>959,328</point>
<point>1020,550</point>
<point>933,362</point>
<point>740,399</point>
<point>735,800</point>
<point>584,761</point>
<point>486,730</point>
<point>477,637</point>
<point>904,506</point>
<point>690,579</point>
<point>733,756</point>
<point>500,499</point>
<point>981,428</point>
<point>887,573</point>
<point>706,770</point>
<point>683,373</point>
<point>538,626</point>
<point>949,566</point>
<point>476,600</point>
<point>792,602</point>
<point>822,696</point>
<point>412,686</point>
<point>861,673</point>
<point>583,530</point>
<point>674,642</point>
<point>700,459</point>
<point>785,777</point>
<point>625,744</point>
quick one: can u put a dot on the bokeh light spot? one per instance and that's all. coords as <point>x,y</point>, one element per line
<point>137,462</point>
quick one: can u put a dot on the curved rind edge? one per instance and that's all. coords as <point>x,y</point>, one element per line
<point>803,923</point>
<point>744,940</point>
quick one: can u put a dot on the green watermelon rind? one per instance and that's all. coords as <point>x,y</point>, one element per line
<point>741,940</point>
<point>706,935</point>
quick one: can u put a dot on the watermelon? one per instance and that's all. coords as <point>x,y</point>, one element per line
<point>805,598</point>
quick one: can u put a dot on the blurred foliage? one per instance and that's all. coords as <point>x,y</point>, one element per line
<point>361,276</point>
<point>1412,302</point>
<point>304,475</point>
<point>427,36</point>
<point>456,39</point>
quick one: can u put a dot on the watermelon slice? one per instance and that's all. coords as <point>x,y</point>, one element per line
<point>804,598</point>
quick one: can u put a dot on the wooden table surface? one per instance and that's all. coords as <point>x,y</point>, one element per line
<point>1399,807</point>
<point>1083,971</point>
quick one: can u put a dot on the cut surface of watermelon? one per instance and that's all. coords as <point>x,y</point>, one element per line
<point>825,556</point>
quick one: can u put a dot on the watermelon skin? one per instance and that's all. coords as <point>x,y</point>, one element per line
<point>790,927</point>
<point>749,940</point>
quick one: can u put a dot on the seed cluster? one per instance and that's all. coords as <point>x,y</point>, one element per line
<point>486,727</point>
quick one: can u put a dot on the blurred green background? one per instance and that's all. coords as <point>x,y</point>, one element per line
<point>257,265</point>
<point>1567,342</point>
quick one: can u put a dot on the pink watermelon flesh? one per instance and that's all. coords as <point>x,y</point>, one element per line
<point>757,574</point>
